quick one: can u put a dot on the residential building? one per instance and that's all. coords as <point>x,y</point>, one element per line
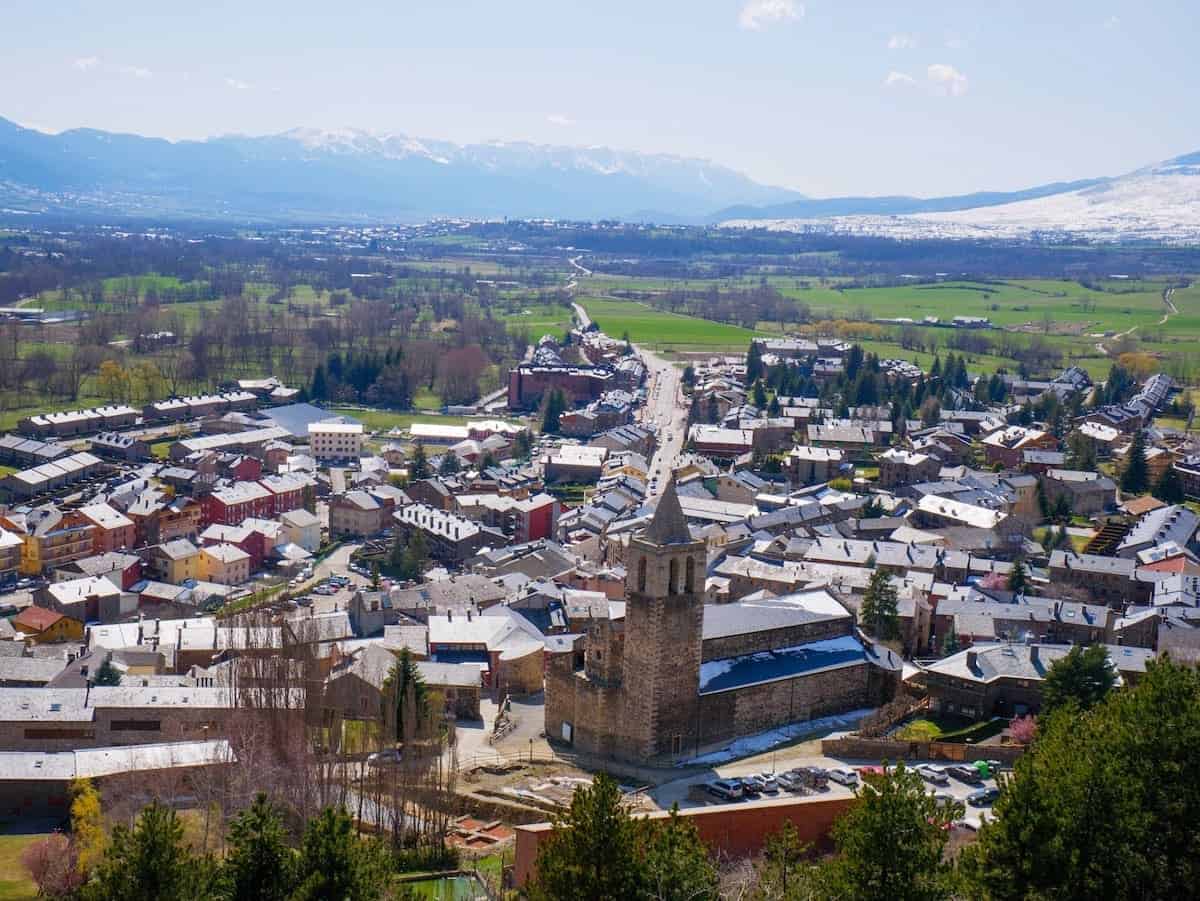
<point>335,440</point>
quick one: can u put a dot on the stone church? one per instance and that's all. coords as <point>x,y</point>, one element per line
<point>665,676</point>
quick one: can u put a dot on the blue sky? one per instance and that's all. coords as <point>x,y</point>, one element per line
<point>921,97</point>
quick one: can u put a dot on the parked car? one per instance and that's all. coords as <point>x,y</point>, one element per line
<point>790,782</point>
<point>932,774</point>
<point>751,787</point>
<point>843,776</point>
<point>815,777</point>
<point>967,774</point>
<point>985,797</point>
<point>726,789</point>
<point>871,770</point>
<point>770,784</point>
<point>942,799</point>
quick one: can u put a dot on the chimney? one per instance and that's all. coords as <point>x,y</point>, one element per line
<point>449,615</point>
<point>468,614</point>
<point>1034,657</point>
<point>972,661</point>
<point>87,694</point>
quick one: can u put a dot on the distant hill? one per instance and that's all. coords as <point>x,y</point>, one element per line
<point>352,175</point>
<point>308,175</point>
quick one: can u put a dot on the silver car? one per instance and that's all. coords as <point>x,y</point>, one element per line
<point>843,776</point>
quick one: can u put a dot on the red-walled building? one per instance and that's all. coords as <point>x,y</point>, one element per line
<point>537,517</point>
<point>287,492</point>
<point>241,500</point>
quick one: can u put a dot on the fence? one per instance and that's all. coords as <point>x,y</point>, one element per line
<point>892,749</point>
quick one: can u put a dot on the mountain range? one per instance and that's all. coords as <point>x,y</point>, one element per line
<point>348,175</point>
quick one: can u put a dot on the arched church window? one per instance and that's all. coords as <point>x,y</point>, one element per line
<point>673,578</point>
<point>691,575</point>
<point>641,578</point>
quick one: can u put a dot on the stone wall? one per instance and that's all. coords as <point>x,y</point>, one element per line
<point>757,708</point>
<point>752,642</point>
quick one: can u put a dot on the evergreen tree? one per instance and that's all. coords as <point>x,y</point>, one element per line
<point>1018,578</point>
<point>950,644</point>
<point>407,699</point>
<point>754,364</point>
<point>151,861</point>
<point>522,445</point>
<point>259,863</point>
<point>449,465</point>
<point>689,375</point>
<point>879,616</point>
<point>107,674</point>
<point>597,851</point>
<point>554,408</point>
<point>1169,487</point>
<point>418,466</point>
<point>320,389</point>
<point>891,843</point>
<point>1136,477</point>
<point>1043,501</point>
<point>774,409</point>
<point>1083,678</point>
<point>714,409</point>
<point>760,395</point>
<point>1104,803</point>
<point>416,555</point>
<point>336,864</point>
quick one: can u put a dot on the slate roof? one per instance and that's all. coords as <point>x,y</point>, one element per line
<point>785,663</point>
<point>668,525</point>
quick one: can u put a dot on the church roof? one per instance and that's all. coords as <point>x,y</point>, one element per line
<point>668,525</point>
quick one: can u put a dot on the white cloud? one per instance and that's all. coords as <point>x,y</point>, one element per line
<point>559,119</point>
<point>84,63</point>
<point>236,84</point>
<point>1112,23</point>
<point>757,14</point>
<point>902,42</point>
<point>947,80</point>
<point>898,80</point>
<point>135,71</point>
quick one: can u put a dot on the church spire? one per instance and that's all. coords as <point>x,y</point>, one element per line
<point>668,525</point>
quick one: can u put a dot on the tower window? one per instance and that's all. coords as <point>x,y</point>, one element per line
<point>673,577</point>
<point>691,575</point>
<point>641,578</point>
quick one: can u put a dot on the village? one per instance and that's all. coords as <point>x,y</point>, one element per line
<point>735,582</point>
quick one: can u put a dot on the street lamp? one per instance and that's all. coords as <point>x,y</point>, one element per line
<point>531,749</point>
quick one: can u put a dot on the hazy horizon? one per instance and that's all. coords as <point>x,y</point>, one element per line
<point>859,98</point>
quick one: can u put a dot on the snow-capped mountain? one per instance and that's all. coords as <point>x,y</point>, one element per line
<point>350,174</point>
<point>1156,203</point>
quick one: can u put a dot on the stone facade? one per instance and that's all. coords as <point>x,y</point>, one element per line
<point>637,696</point>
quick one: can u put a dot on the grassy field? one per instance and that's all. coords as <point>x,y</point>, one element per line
<point>386,420</point>
<point>667,331</point>
<point>15,884</point>
<point>541,319</point>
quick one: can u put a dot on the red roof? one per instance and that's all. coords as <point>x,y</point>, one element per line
<point>35,619</point>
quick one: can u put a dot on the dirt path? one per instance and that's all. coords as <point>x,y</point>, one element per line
<point>1172,310</point>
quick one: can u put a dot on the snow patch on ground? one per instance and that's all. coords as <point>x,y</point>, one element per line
<point>765,741</point>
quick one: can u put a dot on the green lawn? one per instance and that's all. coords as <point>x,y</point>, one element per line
<point>540,319</point>
<point>15,884</point>
<point>659,330</point>
<point>386,420</point>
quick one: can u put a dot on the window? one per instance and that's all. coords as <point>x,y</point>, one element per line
<point>136,725</point>
<point>673,577</point>
<point>691,575</point>
<point>36,733</point>
<point>676,744</point>
<point>641,579</point>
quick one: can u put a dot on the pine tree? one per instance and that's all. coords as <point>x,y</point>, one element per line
<point>151,861</point>
<point>555,406</point>
<point>760,395</point>
<point>259,863</point>
<point>1136,477</point>
<point>754,364</point>
<point>449,465</point>
<point>1169,488</point>
<point>879,615</point>
<point>319,389</point>
<point>418,466</point>
<point>335,863</point>
<point>1018,578</point>
<point>107,674</point>
<point>406,698</point>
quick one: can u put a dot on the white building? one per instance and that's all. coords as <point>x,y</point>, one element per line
<point>302,528</point>
<point>335,440</point>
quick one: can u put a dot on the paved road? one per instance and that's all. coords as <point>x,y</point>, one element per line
<point>581,315</point>
<point>665,411</point>
<point>335,564</point>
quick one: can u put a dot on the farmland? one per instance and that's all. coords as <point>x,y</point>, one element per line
<point>663,331</point>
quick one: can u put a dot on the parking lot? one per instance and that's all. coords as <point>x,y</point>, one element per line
<point>690,791</point>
